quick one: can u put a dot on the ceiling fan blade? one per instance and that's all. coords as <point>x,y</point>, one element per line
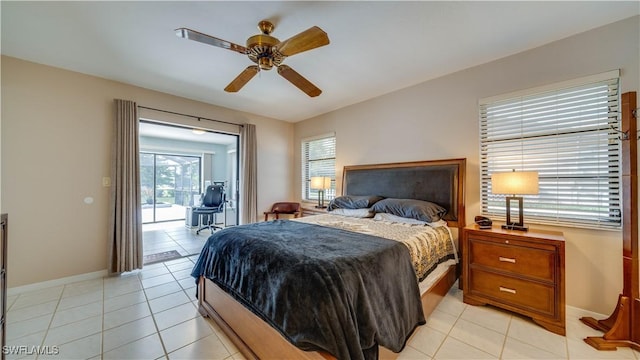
<point>209,40</point>
<point>300,82</point>
<point>311,38</point>
<point>242,79</point>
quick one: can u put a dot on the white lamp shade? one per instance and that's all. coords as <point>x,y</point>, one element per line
<point>320,182</point>
<point>515,183</point>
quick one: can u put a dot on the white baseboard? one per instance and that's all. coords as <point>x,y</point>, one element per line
<point>578,313</point>
<point>56,282</point>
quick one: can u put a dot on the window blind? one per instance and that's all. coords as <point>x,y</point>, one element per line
<point>570,136</point>
<point>318,159</point>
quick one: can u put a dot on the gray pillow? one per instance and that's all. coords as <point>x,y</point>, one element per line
<point>353,202</point>
<point>410,208</point>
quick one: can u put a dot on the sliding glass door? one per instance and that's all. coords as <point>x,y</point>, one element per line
<point>169,183</point>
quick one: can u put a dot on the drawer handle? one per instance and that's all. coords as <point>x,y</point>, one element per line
<point>510,291</point>
<point>505,259</point>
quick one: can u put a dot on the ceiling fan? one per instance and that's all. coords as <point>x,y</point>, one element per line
<point>267,51</point>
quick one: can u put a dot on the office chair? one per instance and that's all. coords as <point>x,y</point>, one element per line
<point>213,202</point>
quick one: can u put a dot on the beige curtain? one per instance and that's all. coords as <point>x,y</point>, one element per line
<point>125,228</point>
<point>248,175</point>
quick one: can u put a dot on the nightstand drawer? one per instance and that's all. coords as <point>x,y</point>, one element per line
<point>521,271</point>
<point>520,293</point>
<point>531,262</point>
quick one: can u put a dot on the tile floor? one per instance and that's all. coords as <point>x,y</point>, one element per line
<point>166,236</point>
<point>152,314</point>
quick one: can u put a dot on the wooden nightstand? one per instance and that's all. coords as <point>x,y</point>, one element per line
<point>308,210</point>
<point>520,271</point>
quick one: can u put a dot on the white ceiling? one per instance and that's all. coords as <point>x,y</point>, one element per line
<point>376,47</point>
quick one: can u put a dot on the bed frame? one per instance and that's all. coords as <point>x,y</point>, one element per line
<point>439,181</point>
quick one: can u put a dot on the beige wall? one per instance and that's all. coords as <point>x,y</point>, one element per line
<point>439,119</point>
<point>55,148</point>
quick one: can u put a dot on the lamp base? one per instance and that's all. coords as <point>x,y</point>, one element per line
<point>511,225</point>
<point>515,227</point>
<point>320,207</point>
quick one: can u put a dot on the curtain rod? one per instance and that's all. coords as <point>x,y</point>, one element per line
<point>191,116</point>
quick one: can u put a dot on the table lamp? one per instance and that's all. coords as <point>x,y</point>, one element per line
<point>320,183</point>
<point>512,184</point>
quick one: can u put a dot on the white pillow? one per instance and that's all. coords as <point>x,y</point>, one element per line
<point>409,221</point>
<point>358,213</point>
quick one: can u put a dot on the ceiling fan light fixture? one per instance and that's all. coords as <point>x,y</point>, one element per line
<point>265,63</point>
<point>266,52</point>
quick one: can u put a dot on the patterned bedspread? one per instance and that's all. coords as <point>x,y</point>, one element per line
<point>428,246</point>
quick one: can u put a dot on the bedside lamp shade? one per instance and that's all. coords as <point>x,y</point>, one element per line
<point>320,183</point>
<point>515,183</point>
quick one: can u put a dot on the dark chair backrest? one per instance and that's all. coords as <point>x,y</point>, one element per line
<point>213,196</point>
<point>285,207</point>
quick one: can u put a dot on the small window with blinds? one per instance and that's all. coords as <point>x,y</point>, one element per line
<point>568,133</point>
<point>318,159</point>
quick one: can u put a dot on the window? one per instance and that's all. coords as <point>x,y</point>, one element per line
<point>168,184</point>
<point>318,159</point>
<point>566,132</point>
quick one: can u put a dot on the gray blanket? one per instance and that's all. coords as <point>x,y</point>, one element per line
<point>321,288</point>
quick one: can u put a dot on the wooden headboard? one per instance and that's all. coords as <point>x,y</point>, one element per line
<point>438,181</point>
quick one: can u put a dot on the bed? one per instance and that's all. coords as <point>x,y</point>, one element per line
<point>266,332</point>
